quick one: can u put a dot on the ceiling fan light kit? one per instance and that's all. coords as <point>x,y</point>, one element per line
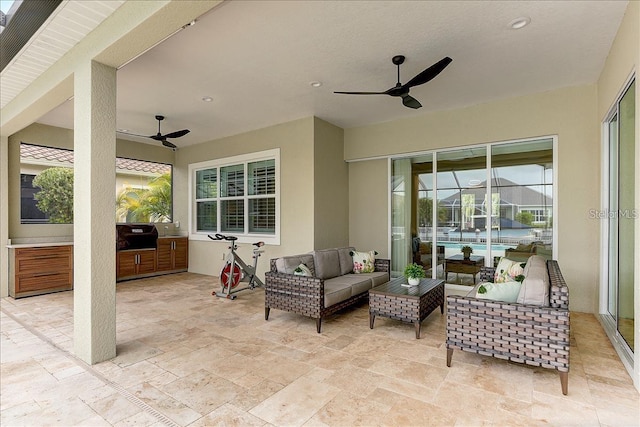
<point>402,90</point>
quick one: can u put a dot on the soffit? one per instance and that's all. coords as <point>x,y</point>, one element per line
<point>67,25</point>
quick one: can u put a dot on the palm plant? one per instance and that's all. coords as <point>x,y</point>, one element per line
<point>156,201</point>
<point>152,204</point>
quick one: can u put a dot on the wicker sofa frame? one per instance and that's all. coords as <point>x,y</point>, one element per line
<point>305,295</point>
<point>529,334</point>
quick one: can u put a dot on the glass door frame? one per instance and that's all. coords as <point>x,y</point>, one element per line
<point>608,320</point>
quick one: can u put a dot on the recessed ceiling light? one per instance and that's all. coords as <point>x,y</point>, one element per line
<point>207,98</point>
<point>518,23</point>
<point>315,84</point>
<point>190,24</point>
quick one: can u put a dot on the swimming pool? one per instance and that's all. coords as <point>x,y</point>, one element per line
<point>475,246</point>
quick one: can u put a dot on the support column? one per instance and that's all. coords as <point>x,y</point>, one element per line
<point>4,215</point>
<point>94,312</point>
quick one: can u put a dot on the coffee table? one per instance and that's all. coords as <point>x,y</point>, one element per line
<point>408,304</point>
<point>457,264</point>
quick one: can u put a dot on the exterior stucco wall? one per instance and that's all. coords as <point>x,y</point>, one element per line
<point>569,113</point>
<point>295,141</point>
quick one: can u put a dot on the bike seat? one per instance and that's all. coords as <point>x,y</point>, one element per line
<point>222,237</point>
<point>258,244</point>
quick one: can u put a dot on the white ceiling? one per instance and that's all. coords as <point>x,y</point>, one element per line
<point>256,60</point>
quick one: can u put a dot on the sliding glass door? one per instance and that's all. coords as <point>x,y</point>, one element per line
<point>621,215</point>
<point>522,200</point>
<point>496,199</point>
<point>461,191</point>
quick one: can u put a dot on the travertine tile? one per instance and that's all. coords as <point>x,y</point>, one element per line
<point>296,403</point>
<point>347,409</point>
<point>228,415</point>
<point>188,358</point>
<point>202,391</point>
<point>563,411</point>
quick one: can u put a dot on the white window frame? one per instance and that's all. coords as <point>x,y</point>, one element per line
<point>245,159</point>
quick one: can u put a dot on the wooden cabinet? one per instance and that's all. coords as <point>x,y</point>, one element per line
<point>39,270</point>
<point>173,254</point>
<point>135,262</point>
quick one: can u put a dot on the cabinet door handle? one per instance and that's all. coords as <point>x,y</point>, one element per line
<point>43,274</point>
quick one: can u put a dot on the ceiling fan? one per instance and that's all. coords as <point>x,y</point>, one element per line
<point>163,138</point>
<point>402,90</point>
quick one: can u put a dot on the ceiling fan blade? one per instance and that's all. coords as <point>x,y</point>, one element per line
<point>132,134</point>
<point>168,144</point>
<point>177,134</point>
<point>363,93</point>
<point>410,101</point>
<point>429,73</point>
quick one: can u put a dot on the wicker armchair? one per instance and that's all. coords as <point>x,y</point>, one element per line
<point>531,334</point>
<point>305,295</point>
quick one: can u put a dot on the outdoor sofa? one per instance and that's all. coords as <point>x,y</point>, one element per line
<point>536,334</point>
<point>523,251</point>
<point>329,285</point>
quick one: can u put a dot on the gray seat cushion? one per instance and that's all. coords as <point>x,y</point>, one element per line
<point>346,260</point>
<point>377,277</point>
<point>335,291</point>
<point>356,282</point>
<point>535,286</point>
<point>327,263</point>
<point>287,264</point>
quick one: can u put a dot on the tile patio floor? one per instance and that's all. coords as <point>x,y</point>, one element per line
<point>187,358</point>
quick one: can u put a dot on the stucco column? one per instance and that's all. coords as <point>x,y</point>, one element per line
<point>4,215</point>
<point>94,212</point>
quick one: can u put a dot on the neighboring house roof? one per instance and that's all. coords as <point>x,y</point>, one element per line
<point>56,155</point>
<point>511,193</point>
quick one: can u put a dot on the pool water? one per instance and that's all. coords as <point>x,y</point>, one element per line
<point>474,246</point>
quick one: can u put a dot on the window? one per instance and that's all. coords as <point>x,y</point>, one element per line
<point>237,196</point>
<point>143,189</point>
<point>29,212</point>
<point>537,215</point>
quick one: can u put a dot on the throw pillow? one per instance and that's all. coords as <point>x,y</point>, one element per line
<point>507,270</point>
<point>363,262</point>
<point>506,291</point>
<point>302,270</point>
<point>535,287</point>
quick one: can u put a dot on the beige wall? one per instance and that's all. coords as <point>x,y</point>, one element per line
<point>295,140</point>
<point>622,60</point>
<point>569,113</point>
<point>330,189</point>
<point>60,138</point>
<point>369,206</point>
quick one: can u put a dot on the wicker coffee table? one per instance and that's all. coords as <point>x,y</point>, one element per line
<point>409,304</point>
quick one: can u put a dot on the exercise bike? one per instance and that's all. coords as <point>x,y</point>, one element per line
<point>235,270</point>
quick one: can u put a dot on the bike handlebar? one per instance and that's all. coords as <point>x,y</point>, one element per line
<point>231,238</point>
